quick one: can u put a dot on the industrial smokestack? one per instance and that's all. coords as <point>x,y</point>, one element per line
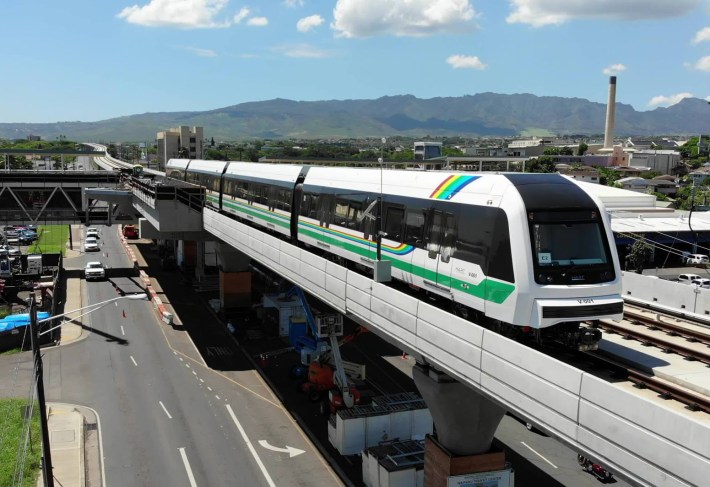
<point>610,109</point>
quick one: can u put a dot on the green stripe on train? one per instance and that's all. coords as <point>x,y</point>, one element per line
<point>488,289</point>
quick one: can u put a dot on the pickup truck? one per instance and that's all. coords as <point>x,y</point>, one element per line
<point>94,271</point>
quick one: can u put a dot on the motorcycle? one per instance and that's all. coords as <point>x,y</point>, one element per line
<point>595,469</point>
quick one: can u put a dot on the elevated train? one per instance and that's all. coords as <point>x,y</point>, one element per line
<point>527,255</point>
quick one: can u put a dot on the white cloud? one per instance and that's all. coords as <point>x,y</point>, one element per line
<point>614,69</point>
<point>184,14</point>
<point>241,15</point>
<point>668,100</point>
<point>303,51</point>
<point>200,52</point>
<point>366,18</point>
<point>307,23</point>
<point>544,12</point>
<point>293,3</point>
<point>703,64</point>
<point>702,35</point>
<point>258,21</point>
<point>460,61</point>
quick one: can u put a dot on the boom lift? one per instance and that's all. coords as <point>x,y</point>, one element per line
<point>320,353</point>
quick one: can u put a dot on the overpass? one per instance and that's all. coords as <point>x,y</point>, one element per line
<point>469,375</point>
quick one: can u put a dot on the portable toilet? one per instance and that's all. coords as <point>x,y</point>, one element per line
<point>5,267</point>
<point>34,264</point>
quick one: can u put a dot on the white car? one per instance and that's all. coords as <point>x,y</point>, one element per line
<point>702,282</point>
<point>91,244</point>
<point>8,250</point>
<point>688,278</point>
<point>94,270</point>
<point>697,259</point>
<point>92,232</point>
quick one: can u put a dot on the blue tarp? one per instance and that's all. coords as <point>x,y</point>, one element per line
<point>19,320</point>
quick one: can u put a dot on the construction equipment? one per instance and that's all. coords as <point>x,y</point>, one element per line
<point>320,353</point>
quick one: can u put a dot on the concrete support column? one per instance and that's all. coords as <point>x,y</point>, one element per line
<point>465,420</point>
<point>234,277</point>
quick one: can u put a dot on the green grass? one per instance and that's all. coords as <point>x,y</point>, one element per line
<point>12,433</point>
<point>12,351</point>
<point>52,240</point>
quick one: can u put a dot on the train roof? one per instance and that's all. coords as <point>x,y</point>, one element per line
<point>207,167</point>
<point>462,187</point>
<point>178,163</point>
<point>259,171</point>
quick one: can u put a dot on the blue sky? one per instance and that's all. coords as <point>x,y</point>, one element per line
<point>91,60</point>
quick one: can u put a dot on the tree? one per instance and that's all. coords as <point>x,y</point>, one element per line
<point>582,149</point>
<point>607,176</point>
<point>543,164</point>
<point>640,253</point>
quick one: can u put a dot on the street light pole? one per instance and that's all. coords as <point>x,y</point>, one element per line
<point>46,453</point>
<point>91,308</point>
<point>35,334</point>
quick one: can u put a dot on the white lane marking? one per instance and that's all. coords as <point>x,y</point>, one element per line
<point>186,462</point>
<point>174,352</point>
<point>216,396</point>
<point>180,359</point>
<point>123,332</point>
<point>209,388</point>
<point>201,380</point>
<point>251,447</point>
<point>194,373</point>
<point>187,365</point>
<point>536,453</point>
<point>134,361</point>
<point>164,409</point>
<point>292,452</point>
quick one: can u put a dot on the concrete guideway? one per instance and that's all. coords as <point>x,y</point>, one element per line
<point>642,440</point>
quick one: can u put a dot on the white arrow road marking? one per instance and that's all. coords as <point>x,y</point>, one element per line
<point>251,447</point>
<point>292,452</point>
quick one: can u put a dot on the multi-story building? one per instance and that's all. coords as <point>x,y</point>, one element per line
<point>181,142</point>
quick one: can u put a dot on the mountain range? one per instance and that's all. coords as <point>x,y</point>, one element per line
<point>480,115</point>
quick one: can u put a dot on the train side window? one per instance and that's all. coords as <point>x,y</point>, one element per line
<point>341,212</point>
<point>326,209</point>
<point>394,217</point>
<point>434,233</point>
<point>448,240</point>
<point>414,227</point>
<point>501,262</point>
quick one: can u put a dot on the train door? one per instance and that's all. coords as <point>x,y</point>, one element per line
<point>439,240</point>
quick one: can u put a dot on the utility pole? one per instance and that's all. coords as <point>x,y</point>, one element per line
<point>46,454</point>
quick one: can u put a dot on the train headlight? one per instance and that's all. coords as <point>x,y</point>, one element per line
<point>544,278</point>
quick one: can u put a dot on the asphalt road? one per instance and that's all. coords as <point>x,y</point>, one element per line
<point>165,418</point>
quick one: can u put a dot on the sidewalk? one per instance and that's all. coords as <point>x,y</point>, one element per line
<point>75,446</point>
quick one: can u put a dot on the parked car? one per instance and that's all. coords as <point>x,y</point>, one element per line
<point>27,237</point>
<point>9,250</point>
<point>91,245</point>
<point>688,278</point>
<point>94,270</point>
<point>702,282</point>
<point>697,259</point>
<point>130,231</point>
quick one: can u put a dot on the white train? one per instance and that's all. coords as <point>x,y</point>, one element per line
<point>528,255</point>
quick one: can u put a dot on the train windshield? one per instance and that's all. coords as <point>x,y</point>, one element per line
<point>570,247</point>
